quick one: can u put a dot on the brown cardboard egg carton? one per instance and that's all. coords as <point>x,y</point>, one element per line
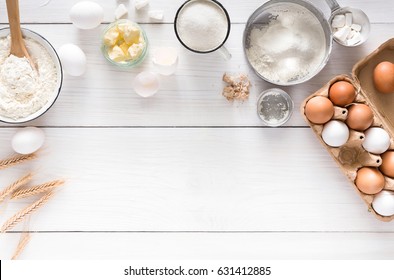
<point>351,156</point>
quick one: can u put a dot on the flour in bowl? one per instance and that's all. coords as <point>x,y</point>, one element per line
<point>24,90</point>
<point>291,46</point>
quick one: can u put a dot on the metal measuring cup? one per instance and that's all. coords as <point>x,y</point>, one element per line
<point>220,47</point>
<point>359,17</point>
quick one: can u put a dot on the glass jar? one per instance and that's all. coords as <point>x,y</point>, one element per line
<point>274,107</point>
<point>127,63</point>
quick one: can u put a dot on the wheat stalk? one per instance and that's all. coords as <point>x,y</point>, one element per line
<point>17,184</point>
<point>25,238</point>
<point>11,222</point>
<point>16,160</point>
<point>22,193</point>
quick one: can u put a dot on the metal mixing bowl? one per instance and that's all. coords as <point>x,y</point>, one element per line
<point>265,13</point>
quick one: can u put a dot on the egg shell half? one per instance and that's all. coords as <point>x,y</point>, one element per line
<point>146,84</point>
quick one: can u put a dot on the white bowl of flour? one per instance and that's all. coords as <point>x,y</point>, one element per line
<point>26,93</point>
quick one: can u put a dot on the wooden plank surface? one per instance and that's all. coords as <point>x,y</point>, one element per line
<point>192,180</point>
<point>186,174</point>
<point>202,246</point>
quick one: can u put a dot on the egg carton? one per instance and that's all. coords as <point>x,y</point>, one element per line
<point>352,156</point>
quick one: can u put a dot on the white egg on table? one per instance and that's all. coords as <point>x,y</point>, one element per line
<point>146,84</point>
<point>335,133</point>
<point>73,59</point>
<point>383,203</point>
<point>86,15</point>
<point>377,140</point>
<point>28,140</point>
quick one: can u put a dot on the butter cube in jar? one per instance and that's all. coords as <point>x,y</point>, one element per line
<point>124,43</point>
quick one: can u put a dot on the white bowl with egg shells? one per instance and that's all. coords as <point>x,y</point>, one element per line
<point>4,32</point>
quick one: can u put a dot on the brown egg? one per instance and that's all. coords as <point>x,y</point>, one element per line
<point>387,166</point>
<point>369,180</point>
<point>383,77</point>
<point>342,93</point>
<point>360,117</point>
<point>319,109</point>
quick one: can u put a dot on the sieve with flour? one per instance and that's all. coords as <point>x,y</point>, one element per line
<point>203,26</point>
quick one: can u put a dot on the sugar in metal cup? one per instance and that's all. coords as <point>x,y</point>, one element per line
<point>203,26</point>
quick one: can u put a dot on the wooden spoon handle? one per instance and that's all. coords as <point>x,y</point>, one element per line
<point>17,44</point>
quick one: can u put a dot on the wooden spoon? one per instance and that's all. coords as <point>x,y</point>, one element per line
<point>18,47</point>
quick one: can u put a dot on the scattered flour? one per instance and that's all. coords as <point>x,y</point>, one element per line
<point>289,47</point>
<point>202,25</point>
<point>23,90</point>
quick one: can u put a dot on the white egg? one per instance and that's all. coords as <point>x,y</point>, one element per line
<point>73,59</point>
<point>146,84</point>
<point>335,133</point>
<point>383,203</point>
<point>28,140</point>
<point>377,140</point>
<point>86,15</point>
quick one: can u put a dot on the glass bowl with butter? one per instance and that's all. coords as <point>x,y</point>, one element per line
<point>124,43</point>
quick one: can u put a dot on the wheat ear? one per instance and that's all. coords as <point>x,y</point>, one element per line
<point>25,238</point>
<point>16,160</point>
<point>17,184</point>
<point>14,220</point>
<point>22,193</point>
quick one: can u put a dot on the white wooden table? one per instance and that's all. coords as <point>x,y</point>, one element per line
<point>186,174</point>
